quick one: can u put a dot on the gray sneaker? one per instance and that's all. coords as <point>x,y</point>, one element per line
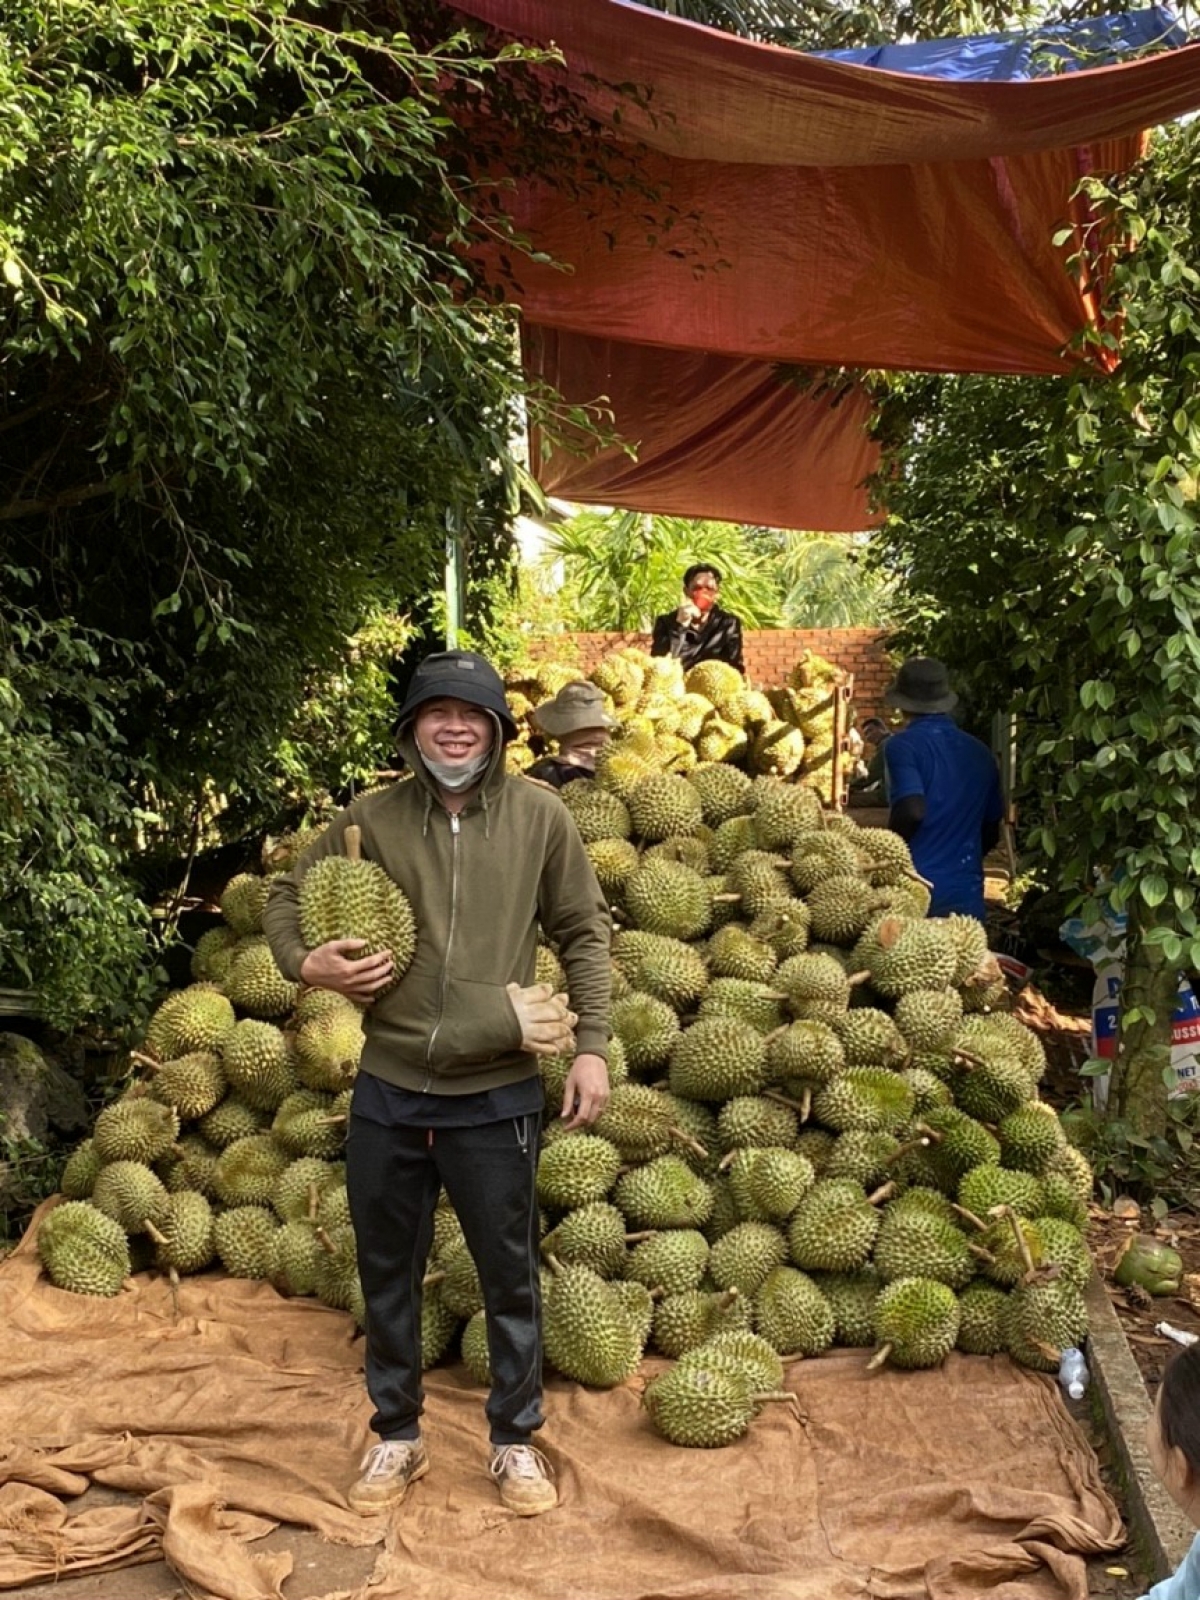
<point>387,1470</point>
<point>524,1478</point>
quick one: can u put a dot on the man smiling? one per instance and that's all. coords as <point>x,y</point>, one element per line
<point>448,1092</point>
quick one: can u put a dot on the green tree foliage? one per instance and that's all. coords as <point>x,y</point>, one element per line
<point>1047,532</point>
<point>804,26</point>
<point>828,582</point>
<point>624,567</point>
<point>250,371</point>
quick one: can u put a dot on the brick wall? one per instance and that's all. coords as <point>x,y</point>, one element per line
<point>771,654</point>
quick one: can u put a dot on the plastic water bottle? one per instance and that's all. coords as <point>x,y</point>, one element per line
<point>1073,1372</point>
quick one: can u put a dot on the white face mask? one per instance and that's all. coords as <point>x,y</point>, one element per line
<point>455,777</point>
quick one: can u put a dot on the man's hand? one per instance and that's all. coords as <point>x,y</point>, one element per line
<point>585,1093</point>
<point>688,613</point>
<point>334,966</point>
<point>547,1022</point>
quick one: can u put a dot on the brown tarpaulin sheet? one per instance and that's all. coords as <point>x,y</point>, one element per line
<point>823,214</point>
<point>239,1409</point>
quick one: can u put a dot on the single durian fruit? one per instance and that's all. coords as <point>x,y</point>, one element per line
<point>1064,1246</point>
<point>592,1235</point>
<point>871,1098</point>
<point>244,901</point>
<point>738,1346</point>
<point>916,1323</point>
<point>613,861</point>
<point>244,1238</point>
<point>184,1240</point>
<point>683,1321</point>
<point>667,897</point>
<point>345,897</point>
<point>851,1297</point>
<point>461,1290</point>
<point>648,1029</point>
<point>306,1124</point>
<point>886,857</point>
<point>196,1018</point>
<point>754,1120</point>
<point>83,1250</point>
<point>664,805</point>
<point>701,1406</point>
<point>589,1335</point>
<point>597,813</point>
<point>640,1121</point>
<point>81,1171</point>
<point>297,1193</point>
<point>816,985</point>
<point>733,952</point>
<point>905,955</point>
<point>328,1049</point>
<point>668,969</point>
<point>760,880</point>
<point>792,1314</point>
<point>745,1000</point>
<point>210,958</point>
<point>135,1130</point>
<point>576,1170</point>
<point>785,813</point>
<point>833,1228</point>
<point>1042,1319</point>
<point>864,1155</point>
<point>130,1194</point>
<point>718,1058</point>
<point>742,1258</point>
<point>233,1119</point>
<point>806,1051</point>
<point>1030,1138</point>
<point>818,855</point>
<point>730,840</point>
<point>295,1251</point>
<point>914,1244</point>
<point>259,1065</point>
<point>929,1019</point>
<point>785,928</point>
<point>768,1183</point>
<point>981,1318</point>
<point>870,1038</point>
<point>248,1170</point>
<point>193,1084</point>
<point>671,1261</point>
<point>664,1193</point>
<point>724,791</point>
<point>840,908</point>
<point>990,1185</point>
<point>255,984</point>
<point>338,1283</point>
<point>958,1143</point>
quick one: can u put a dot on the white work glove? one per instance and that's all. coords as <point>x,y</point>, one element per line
<point>547,1022</point>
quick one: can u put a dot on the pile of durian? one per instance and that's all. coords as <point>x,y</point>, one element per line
<point>824,1127</point>
<point>711,713</point>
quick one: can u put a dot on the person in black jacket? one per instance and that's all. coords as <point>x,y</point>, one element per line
<point>700,630</point>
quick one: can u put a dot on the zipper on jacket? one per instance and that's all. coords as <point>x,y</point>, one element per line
<point>454,832</point>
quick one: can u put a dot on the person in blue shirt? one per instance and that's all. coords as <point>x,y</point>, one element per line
<point>943,789</point>
<point>1173,1440</point>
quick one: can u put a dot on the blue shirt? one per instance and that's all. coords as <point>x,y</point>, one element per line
<point>1184,1582</point>
<point>957,776</point>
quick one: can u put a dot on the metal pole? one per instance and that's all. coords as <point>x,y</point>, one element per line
<point>453,581</point>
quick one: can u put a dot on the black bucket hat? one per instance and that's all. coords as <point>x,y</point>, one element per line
<point>458,675</point>
<point>922,686</point>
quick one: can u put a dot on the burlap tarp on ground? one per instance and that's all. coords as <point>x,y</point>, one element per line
<point>236,1409</point>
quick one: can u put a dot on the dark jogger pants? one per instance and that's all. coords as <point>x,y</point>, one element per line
<point>393,1176</point>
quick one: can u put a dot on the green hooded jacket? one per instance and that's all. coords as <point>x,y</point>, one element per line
<point>480,884</point>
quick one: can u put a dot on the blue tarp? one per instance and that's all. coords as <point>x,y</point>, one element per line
<point>1037,53</point>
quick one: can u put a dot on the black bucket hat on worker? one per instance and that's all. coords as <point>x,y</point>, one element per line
<point>576,706</point>
<point>922,686</point>
<point>458,675</point>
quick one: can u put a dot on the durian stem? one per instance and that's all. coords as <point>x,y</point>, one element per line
<point>726,899</point>
<point>1019,1236</point>
<point>906,1149</point>
<point>553,1262</point>
<point>776,1033</point>
<point>730,1297</point>
<point>774,994</point>
<point>929,1133</point>
<point>727,1160</point>
<point>910,872</point>
<point>855,978</point>
<point>314,1200</point>
<point>976,1222</point>
<point>879,1358</point>
<point>686,1140</point>
<point>159,1238</point>
<point>144,1060</point>
<point>353,842</point>
<point>980,1253</point>
<point>966,1058</point>
<point>884,1192</point>
<point>785,1396</point>
<point>640,1238</point>
<point>328,1122</point>
<point>784,1100</point>
<point>326,1242</point>
<point>1047,1350</point>
<point>432,1278</point>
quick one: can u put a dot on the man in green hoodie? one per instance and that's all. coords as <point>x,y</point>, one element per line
<point>448,1091</point>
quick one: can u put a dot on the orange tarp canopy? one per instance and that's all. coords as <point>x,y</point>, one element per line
<point>807,212</point>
